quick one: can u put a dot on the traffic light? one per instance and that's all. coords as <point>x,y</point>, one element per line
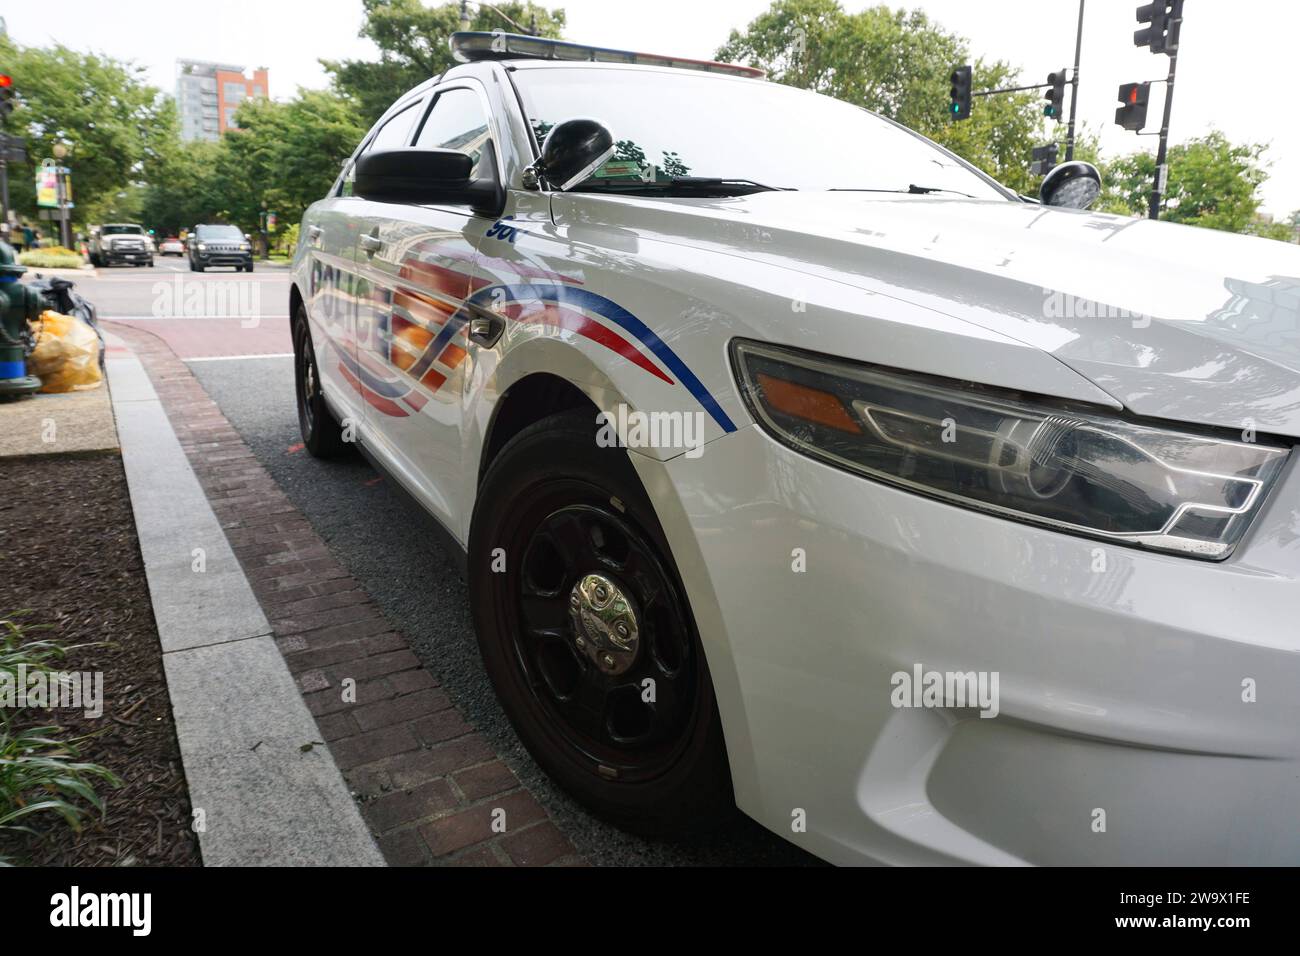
<point>1134,97</point>
<point>960,93</point>
<point>1160,25</point>
<point>1055,95</point>
<point>1044,159</point>
<point>6,96</point>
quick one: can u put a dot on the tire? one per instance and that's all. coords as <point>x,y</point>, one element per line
<point>248,268</point>
<point>321,434</point>
<point>194,267</point>
<point>564,511</point>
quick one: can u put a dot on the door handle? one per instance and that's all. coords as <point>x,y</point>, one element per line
<point>371,244</point>
<point>484,330</point>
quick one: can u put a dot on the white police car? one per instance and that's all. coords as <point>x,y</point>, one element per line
<point>797,463</point>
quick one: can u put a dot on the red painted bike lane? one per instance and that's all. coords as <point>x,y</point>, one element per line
<point>226,337</point>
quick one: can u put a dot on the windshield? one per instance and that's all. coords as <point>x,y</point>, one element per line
<point>123,230</point>
<point>670,124</point>
<point>220,232</point>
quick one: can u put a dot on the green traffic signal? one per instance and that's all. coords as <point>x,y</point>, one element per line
<point>960,92</point>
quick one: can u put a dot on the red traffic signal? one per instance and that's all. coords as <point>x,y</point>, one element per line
<point>1135,97</point>
<point>6,81</point>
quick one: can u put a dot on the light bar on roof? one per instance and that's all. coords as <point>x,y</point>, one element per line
<point>473,46</point>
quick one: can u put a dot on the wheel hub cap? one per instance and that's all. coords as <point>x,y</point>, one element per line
<point>604,623</point>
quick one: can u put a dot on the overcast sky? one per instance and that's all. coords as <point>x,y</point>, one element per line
<point>1233,53</point>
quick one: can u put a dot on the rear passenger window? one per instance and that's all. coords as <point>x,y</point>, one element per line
<point>457,121</point>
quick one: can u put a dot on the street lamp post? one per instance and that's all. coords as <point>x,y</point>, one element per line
<point>65,228</point>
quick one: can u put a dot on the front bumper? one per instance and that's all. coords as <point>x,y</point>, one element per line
<point>238,259</point>
<point>127,255</point>
<point>1121,673</point>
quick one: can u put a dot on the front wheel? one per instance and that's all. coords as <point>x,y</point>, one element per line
<point>587,635</point>
<point>321,434</point>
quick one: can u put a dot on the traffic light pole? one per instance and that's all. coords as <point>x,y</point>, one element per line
<point>1074,87</point>
<point>4,171</point>
<point>1162,154</point>
<point>4,179</point>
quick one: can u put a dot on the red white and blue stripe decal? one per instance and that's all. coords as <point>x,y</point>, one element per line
<point>547,302</point>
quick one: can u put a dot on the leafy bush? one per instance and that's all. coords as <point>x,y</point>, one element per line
<point>52,258</point>
<point>39,772</point>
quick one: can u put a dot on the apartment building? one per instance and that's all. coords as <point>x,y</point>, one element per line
<point>207,95</point>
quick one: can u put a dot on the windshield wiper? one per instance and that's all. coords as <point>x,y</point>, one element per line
<point>926,190</point>
<point>912,188</point>
<point>688,186</point>
<point>714,184</point>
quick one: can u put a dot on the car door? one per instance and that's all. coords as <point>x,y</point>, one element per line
<point>335,287</point>
<point>416,264</point>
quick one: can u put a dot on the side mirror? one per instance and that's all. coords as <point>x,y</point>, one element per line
<point>1072,185</point>
<point>423,176</point>
<point>573,150</point>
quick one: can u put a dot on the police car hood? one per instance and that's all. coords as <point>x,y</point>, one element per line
<point>1173,321</point>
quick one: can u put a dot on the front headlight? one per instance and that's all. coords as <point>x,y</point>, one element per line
<point>243,247</point>
<point>203,247</point>
<point>1063,466</point>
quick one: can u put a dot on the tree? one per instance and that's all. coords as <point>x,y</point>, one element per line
<point>183,190</point>
<point>896,63</point>
<point>1212,183</point>
<point>413,46</point>
<point>281,157</point>
<point>115,125</point>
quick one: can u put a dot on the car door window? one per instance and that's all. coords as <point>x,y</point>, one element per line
<point>457,121</point>
<point>395,131</point>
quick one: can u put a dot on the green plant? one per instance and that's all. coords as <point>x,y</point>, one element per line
<point>39,772</point>
<point>43,259</point>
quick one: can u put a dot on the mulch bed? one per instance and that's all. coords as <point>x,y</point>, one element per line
<point>68,553</point>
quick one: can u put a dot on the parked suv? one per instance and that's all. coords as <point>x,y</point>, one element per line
<point>792,458</point>
<point>215,244</point>
<point>121,242</point>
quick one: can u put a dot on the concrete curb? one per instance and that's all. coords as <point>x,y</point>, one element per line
<point>268,791</point>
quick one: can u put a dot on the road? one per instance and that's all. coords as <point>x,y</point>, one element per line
<point>240,355</point>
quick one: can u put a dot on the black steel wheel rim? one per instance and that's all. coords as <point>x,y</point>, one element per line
<point>307,382</point>
<point>628,726</point>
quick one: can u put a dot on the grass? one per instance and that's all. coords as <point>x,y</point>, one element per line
<point>40,773</point>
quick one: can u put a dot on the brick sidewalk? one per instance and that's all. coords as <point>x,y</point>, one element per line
<point>427,782</point>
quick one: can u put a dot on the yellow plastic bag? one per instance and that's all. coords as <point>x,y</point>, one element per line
<point>66,357</point>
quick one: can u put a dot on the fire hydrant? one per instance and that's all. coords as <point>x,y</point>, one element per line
<point>18,306</point>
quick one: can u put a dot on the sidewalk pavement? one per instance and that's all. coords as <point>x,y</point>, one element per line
<point>264,789</point>
<point>430,786</point>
